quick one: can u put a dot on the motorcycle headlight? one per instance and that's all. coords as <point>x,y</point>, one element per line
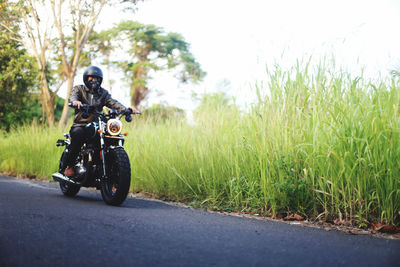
<point>114,127</point>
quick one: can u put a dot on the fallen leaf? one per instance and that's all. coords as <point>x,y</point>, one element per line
<point>351,232</point>
<point>337,222</point>
<point>294,217</point>
<point>342,222</point>
<point>298,217</point>
<point>376,226</point>
<point>397,236</point>
<point>389,229</point>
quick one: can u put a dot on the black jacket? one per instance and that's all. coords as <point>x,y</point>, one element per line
<point>98,99</point>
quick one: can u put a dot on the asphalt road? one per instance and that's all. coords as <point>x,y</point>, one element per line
<point>41,227</point>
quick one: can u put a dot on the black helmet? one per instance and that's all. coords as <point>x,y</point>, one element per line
<point>92,71</point>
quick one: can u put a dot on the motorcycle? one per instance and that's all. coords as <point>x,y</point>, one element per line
<point>102,161</point>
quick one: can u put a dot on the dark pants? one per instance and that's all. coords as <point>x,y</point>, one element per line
<point>78,137</point>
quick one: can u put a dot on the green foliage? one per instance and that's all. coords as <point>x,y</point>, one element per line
<point>150,49</point>
<point>149,43</point>
<point>322,145</point>
<point>214,101</point>
<point>319,143</point>
<point>57,69</point>
<point>30,150</point>
<point>161,113</point>
<point>18,76</point>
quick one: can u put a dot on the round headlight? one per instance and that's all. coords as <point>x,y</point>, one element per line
<point>114,127</point>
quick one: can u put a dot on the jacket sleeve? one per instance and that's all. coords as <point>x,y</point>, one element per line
<point>112,103</point>
<point>75,94</point>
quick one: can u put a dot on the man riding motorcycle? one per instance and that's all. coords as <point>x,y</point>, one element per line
<point>93,94</point>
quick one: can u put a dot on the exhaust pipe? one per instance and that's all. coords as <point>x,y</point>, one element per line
<point>58,177</point>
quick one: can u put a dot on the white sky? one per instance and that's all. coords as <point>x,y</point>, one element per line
<point>235,40</point>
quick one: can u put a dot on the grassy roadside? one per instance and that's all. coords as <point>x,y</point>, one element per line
<point>321,144</point>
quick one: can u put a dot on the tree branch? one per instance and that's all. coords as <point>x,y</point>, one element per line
<point>59,86</point>
<point>88,27</point>
<point>58,23</point>
<point>31,38</point>
<point>11,32</point>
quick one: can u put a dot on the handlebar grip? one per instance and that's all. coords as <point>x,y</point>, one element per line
<point>83,106</point>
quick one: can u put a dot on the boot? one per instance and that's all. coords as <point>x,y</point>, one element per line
<point>69,171</point>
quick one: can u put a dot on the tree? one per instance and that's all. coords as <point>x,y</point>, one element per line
<point>78,17</point>
<point>161,113</point>
<point>151,49</point>
<point>25,14</point>
<point>17,79</point>
<point>83,15</point>
<point>103,42</point>
<point>213,101</point>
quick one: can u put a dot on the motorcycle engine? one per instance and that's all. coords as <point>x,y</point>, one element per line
<point>91,129</point>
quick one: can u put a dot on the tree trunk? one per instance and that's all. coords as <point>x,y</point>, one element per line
<point>47,100</point>
<point>139,90</point>
<point>139,93</point>
<point>66,111</point>
<point>108,66</point>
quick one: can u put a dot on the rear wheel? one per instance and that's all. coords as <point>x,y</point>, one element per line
<point>68,189</point>
<point>115,189</point>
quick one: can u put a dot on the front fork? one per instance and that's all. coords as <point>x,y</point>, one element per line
<point>102,148</point>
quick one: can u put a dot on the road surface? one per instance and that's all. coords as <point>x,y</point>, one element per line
<point>41,227</point>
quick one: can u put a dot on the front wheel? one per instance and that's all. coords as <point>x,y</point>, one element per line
<point>115,188</point>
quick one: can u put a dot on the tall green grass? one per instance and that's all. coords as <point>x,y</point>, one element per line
<point>322,144</point>
<point>30,150</point>
<point>318,142</point>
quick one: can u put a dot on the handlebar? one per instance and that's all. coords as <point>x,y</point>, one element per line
<point>88,109</point>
